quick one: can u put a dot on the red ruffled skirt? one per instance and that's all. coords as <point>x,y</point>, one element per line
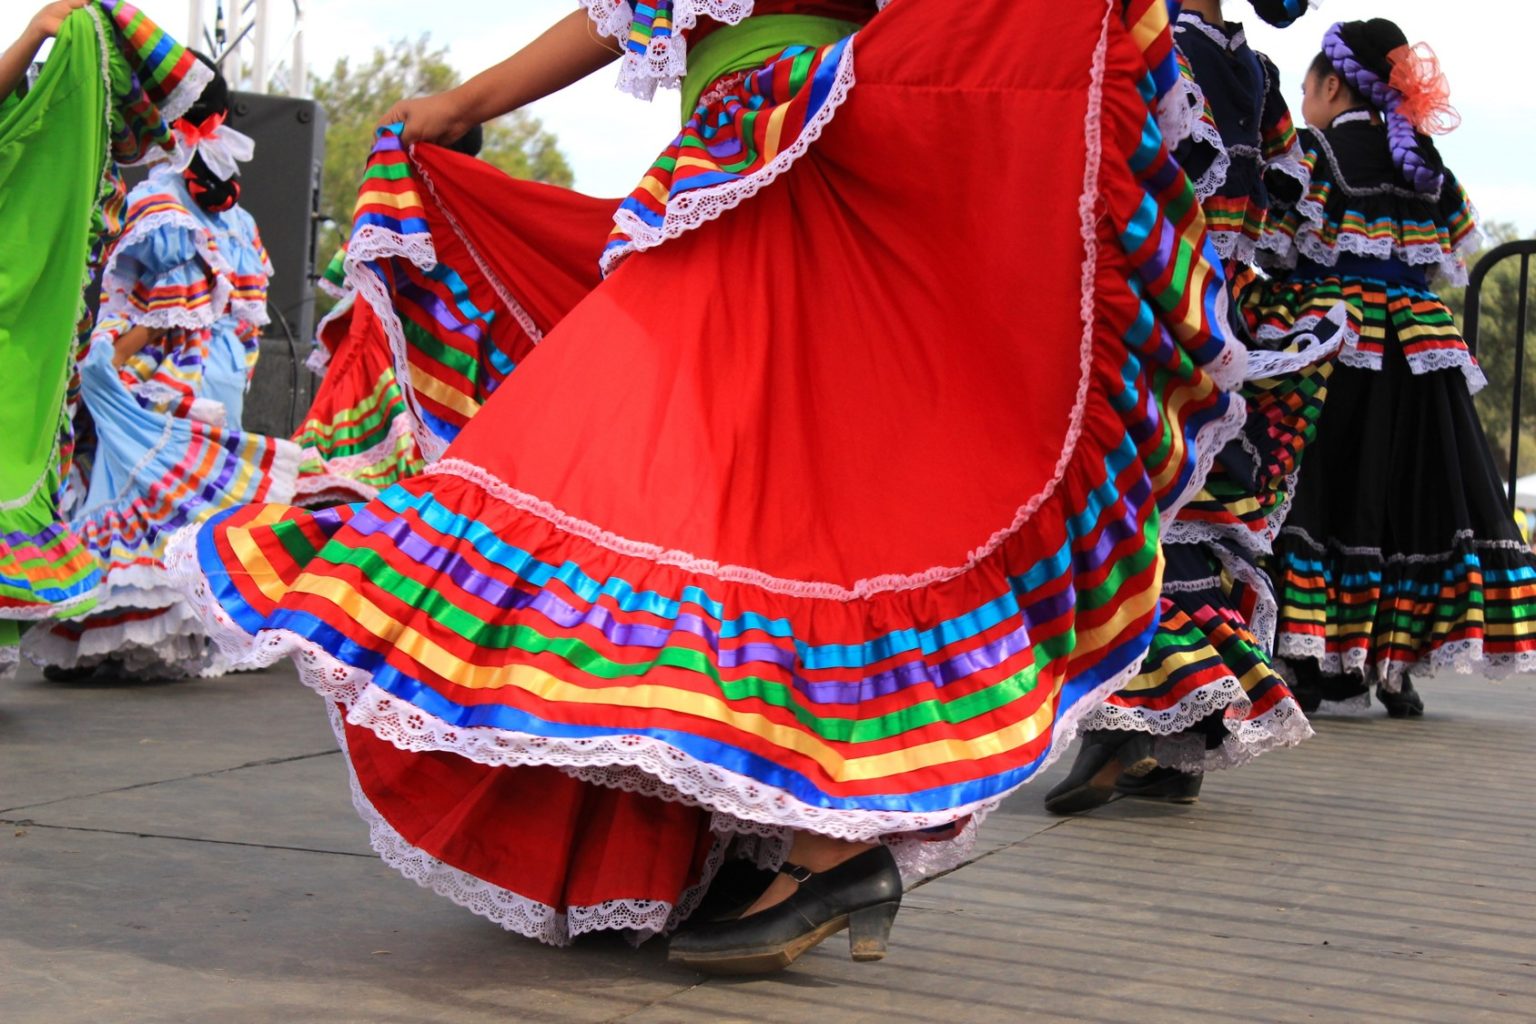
<point>835,510</point>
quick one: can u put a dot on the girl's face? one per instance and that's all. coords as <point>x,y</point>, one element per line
<point>1320,96</point>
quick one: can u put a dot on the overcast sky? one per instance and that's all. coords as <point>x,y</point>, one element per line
<point>1484,45</point>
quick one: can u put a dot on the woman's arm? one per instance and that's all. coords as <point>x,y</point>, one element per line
<point>568,52</point>
<point>18,56</point>
<point>128,344</point>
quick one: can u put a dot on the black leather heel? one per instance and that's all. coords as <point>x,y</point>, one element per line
<point>861,894</point>
<point>1104,758</point>
<point>870,929</point>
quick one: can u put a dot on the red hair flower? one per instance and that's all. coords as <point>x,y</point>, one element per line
<point>1426,93</point>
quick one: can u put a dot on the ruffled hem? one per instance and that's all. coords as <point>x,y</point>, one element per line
<point>340,478</point>
<point>117,301</point>
<point>130,541</point>
<point>1210,662</point>
<point>691,781</point>
<point>1433,353</point>
<point>686,210</point>
<point>1333,218</point>
<point>1282,727</point>
<point>638,919</point>
<point>1463,657</point>
<point>663,60</point>
<point>1247,497</point>
<point>52,574</point>
<point>1354,644</point>
<point>874,799</point>
<point>166,643</point>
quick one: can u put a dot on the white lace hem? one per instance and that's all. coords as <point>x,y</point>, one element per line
<point>1284,725</point>
<point>641,919</point>
<point>692,781</point>
<point>1463,657</point>
<point>1215,176</point>
<point>399,429</point>
<point>368,244</point>
<point>1284,250</point>
<point>169,645</point>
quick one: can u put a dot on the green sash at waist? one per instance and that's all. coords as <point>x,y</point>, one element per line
<point>748,45</point>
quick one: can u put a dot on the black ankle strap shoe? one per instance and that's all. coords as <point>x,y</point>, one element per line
<point>861,894</point>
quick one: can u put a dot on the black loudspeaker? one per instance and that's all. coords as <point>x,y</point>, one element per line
<point>280,187</point>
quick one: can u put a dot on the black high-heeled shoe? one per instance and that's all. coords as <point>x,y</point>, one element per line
<point>1406,703</point>
<point>1105,755</point>
<point>861,894</point>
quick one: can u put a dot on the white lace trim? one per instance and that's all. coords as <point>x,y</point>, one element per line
<point>513,307</point>
<point>510,910</point>
<point>692,781</point>
<point>1460,536</point>
<point>1284,725</point>
<point>1179,111</point>
<point>1460,656</point>
<point>26,497</point>
<point>337,478</point>
<point>1448,267</point>
<point>1215,176</point>
<point>690,209</point>
<point>1350,353</point>
<point>1264,620</point>
<point>665,60</point>
<point>1305,344</point>
<point>1290,164</point>
<point>399,428</point>
<point>369,244</point>
<point>1189,19</point>
<point>115,289</point>
<point>325,488</point>
<point>319,358</point>
<point>1464,657</point>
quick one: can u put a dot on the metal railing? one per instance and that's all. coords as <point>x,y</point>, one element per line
<point>1523,248</point>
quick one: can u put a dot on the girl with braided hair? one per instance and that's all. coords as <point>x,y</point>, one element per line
<point>163,380</point>
<point>1399,556</point>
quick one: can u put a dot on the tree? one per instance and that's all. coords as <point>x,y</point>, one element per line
<point>354,98</point>
<point>1498,330</point>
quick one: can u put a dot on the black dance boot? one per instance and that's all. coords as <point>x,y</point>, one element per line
<point>1406,703</point>
<point>861,894</point>
<point>1105,755</point>
<point>1306,683</point>
<point>1166,784</point>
